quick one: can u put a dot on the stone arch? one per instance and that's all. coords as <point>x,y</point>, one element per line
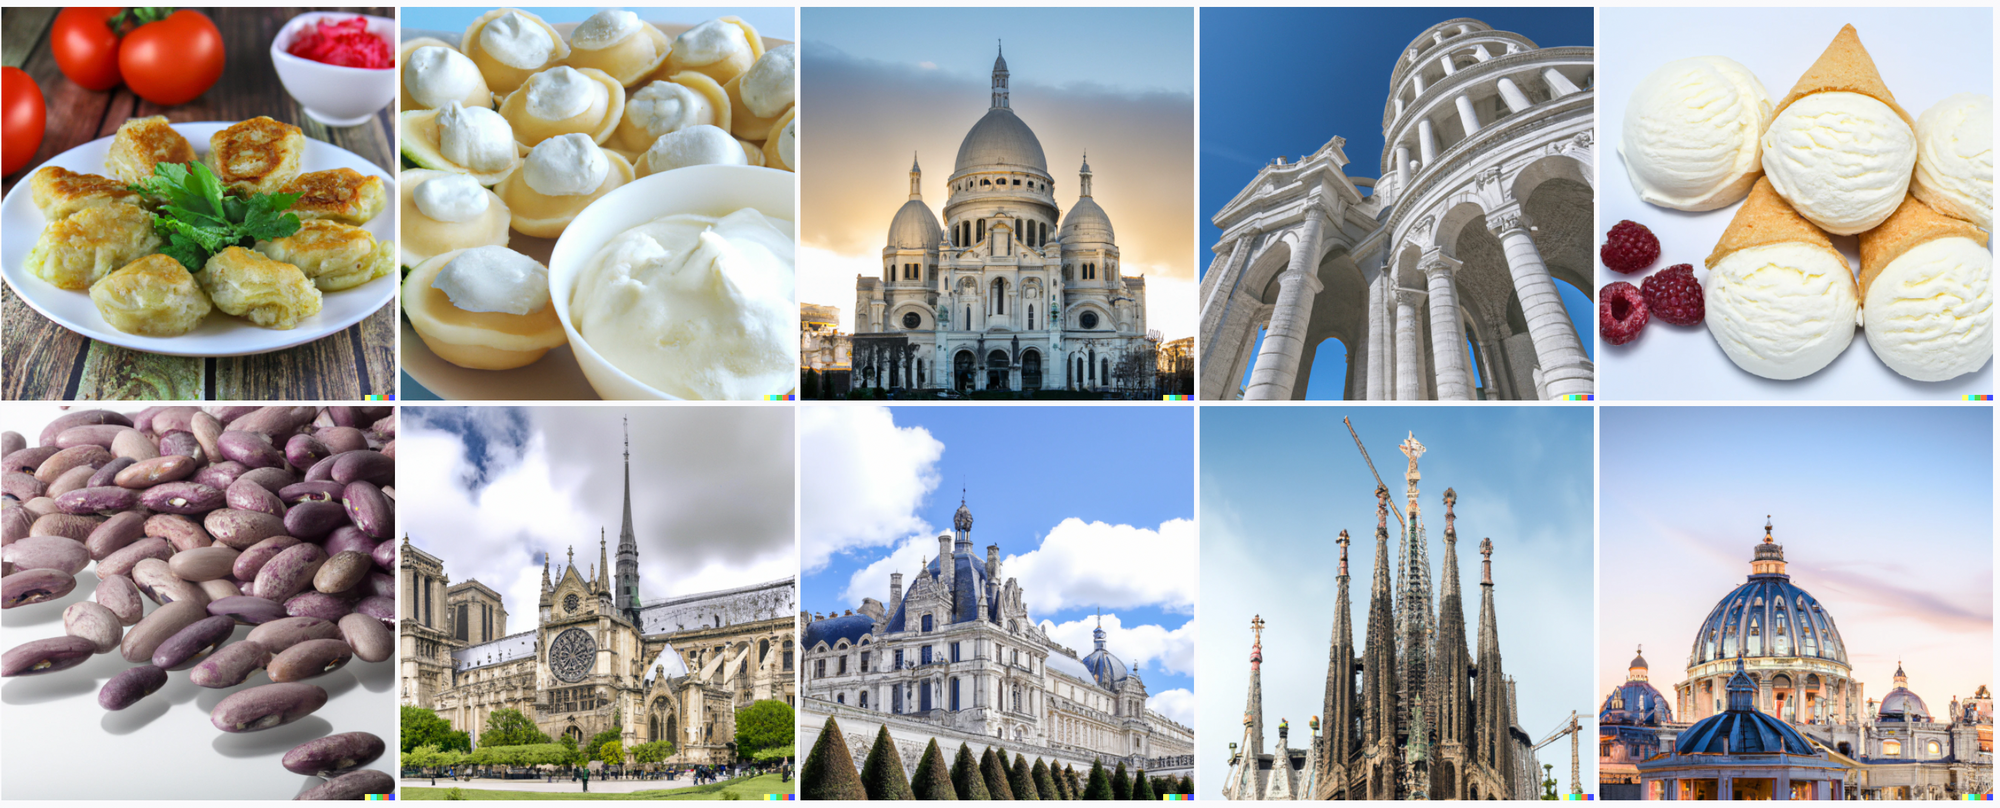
<point>1340,312</point>
<point>1265,267</point>
<point>1550,167</point>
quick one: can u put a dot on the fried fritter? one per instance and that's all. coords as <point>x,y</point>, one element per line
<point>259,155</point>
<point>270,293</point>
<point>335,256</point>
<point>142,142</point>
<point>342,195</point>
<point>60,192</point>
<point>78,251</point>
<point>154,296</point>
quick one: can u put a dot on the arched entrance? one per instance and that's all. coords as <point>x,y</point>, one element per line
<point>961,371</point>
<point>1031,369</point>
<point>996,371</point>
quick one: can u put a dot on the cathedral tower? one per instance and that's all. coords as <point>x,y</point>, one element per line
<point>1450,685</point>
<point>628,546</point>
<point>1338,744</point>
<point>1379,668</point>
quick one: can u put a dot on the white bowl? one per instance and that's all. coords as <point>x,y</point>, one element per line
<point>331,94</point>
<point>704,190</point>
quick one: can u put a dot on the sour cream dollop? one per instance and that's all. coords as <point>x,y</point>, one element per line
<point>604,29</point>
<point>772,83</point>
<point>788,143</point>
<point>438,75</point>
<point>710,42</point>
<point>476,138</point>
<point>451,198</point>
<point>696,306</point>
<point>566,165</point>
<point>494,279</point>
<point>663,106</point>
<point>517,41</point>
<point>564,92</point>
<point>695,146</point>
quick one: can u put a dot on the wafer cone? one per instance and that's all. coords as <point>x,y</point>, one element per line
<point>1766,218</point>
<point>1845,67</point>
<point>1912,224</point>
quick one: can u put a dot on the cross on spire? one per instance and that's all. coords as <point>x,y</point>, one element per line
<point>1257,629</point>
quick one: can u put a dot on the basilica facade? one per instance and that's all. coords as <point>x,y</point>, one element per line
<point>1439,278</point>
<point>598,655</point>
<point>956,656</point>
<point>1416,711</point>
<point>1006,292</point>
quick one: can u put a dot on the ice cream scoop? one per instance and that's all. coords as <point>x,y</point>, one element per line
<point>1955,158</point>
<point>1926,290</point>
<point>1780,300</point>
<point>1690,137</point>
<point>1839,149</point>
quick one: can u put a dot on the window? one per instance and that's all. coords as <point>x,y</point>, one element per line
<point>1031,316</point>
<point>954,694</point>
<point>843,665</point>
<point>1017,182</point>
<point>819,669</point>
<point>1892,748</point>
<point>1088,319</point>
<point>1931,749</point>
<point>864,661</point>
<point>927,623</point>
<point>979,231</point>
<point>912,320</point>
<point>863,700</point>
<point>840,698</point>
<point>899,659</point>
<point>954,652</point>
<point>924,655</point>
<point>788,655</point>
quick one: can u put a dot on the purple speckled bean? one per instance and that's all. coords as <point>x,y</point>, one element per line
<point>76,418</point>
<point>290,572</point>
<point>230,664</point>
<point>115,534</point>
<point>95,623</point>
<point>90,435</point>
<point>342,572</point>
<point>46,656</point>
<point>243,529</point>
<point>182,442</point>
<point>69,481</point>
<point>370,640</point>
<point>122,561</point>
<point>323,470</point>
<point>312,521</point>
<point>272,479</point>
<point>206,428</point>
<point>182,498</point>
<point>35,586</point>
<point>385,555</point>
<point>75,457</point>
<point>107,475</point>
<point>220,475</point>
<point>245,495</point>
<point>309,659</point>
<point>369,509</point>
<point>253,559</point>
<point>343,438</point>
<point>354,785</point>
<point>145,638</point>
<point>66,525</point>
<point>126,689</point>
<point>47,553</point>
<point>203,563</point>
<point>119,594</point>
<point>319,604</point>
<point>266,706</point>
<point>335,754</point>
<point>134,444</point>
<point>180,531</point>
<point>380,583</point>
<point>250,449</point>
<point>190,644</point>
<point>323,490</point>
<point>15,522</point>
<point>155,471</point>
<point>348,537</point>
<point>378,607</point>
<point>11,442</point>
<point>274,422</point>
<point>365,464</point>
<point>248,610</point>
<point>279,635</point>
<point>103,499</point>
<point>304,450</point>
<point>29,459</point>
<point>23,486</point>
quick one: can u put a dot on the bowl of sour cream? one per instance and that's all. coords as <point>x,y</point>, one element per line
<point>680,285</point>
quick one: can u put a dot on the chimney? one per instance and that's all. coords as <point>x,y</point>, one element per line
<point>944,553</point>
<point>993,562</point>
<point>895,589</point>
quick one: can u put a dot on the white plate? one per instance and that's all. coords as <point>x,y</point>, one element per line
<point>1923,54</point>
<point>219,334</point>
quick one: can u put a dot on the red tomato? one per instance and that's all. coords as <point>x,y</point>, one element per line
<point>86,46</point>
<point>173,60</point>
<point>22,120</point>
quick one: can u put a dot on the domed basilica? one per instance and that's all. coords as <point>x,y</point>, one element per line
<point>1000,296</point>
<point>1770,706</point>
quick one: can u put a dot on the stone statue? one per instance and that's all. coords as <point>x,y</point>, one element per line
<point>1413,450</point>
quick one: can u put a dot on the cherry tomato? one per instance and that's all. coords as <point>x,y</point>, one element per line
<point>85,44</point>
<point>22,120</point>
<point>173,60</point>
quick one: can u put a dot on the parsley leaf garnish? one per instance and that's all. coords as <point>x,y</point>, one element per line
<point>199,218</point>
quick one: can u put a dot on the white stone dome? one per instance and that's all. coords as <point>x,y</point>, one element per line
<point>1086,222</point>
<point>1001,139</point>
<point>915,227</point>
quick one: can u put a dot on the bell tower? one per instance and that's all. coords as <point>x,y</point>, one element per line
<point>1000,80</point>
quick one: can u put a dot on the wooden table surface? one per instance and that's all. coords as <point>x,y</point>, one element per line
<point>47,361</point>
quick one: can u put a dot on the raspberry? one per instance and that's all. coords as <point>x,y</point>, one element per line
<point>1674,295</point>
<point>1621,313</point>
<point>1629,247</point>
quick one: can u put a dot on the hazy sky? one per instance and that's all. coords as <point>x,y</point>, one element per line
<point>1117,83</point>
<point>1081,529</point>
<point>771,22</point>
<point>490,489</point>
<point>1278,484</point>
<point>1886,515</point>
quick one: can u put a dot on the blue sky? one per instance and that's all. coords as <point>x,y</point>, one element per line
<point>1261,101</point>
<point>1886,515</point>
<point>775,22</point>
<point>896,35</point>
<point>1082,528</point>
<point>1278,484</point>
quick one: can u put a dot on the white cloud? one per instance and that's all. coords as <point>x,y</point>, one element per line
<point>872,581</point>
<point>879,474</point>
<point>1115,566</point>
<point>1170,304</point>
<point>1143,647</point>
<point>826,278</point>
<point>927,65</point>
<point>1177,704</point>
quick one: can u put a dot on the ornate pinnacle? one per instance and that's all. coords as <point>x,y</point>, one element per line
<point>1413,450</point>
<point>1450,526</point>
<point>1486,561</point>
<point>1767,529</point>
<point>1342,541</point>
<point>1381,507</point>
<point>1257,642</point>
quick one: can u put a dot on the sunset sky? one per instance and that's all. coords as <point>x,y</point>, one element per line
<point>881,84</point>
<point>1886,515</point>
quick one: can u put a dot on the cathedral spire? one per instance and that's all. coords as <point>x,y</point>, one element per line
<point>1491,686</point>
<point>916,178</point>
<point>1451,690</point>
<point>626,594</point>
<point>1338,740</point>
<point>603,569</point>
<point>1253,710</point>
<point>1000,80</point>
<point>1084,175</point>
<point>1379,666</point>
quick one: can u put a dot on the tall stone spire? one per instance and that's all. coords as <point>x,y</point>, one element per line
<point>627,595</point>
<point>1338,741</point>
<point>602,580</point>
<point>1000,79</point>
<point>1084,175</point>
<point>1450,687</point>
<point>1379,666</point>
<point>1491,691</point>
<point>916,178</point>
<point>1415,622</point>
<point>1253,708</point>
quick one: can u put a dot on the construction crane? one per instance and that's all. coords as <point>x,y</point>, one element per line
<point>1573,728</point>
<point>1371,470</point>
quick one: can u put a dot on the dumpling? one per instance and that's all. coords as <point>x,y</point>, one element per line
<point>441,211</point>
<point>564,100</point>
<point>143,142</point>
<point>341,195</point>
<point>619,44</point>
<point>509,45</point>
<point>693,146</point>
<point>760,96</point>
<point>60,192</point>
<point>466,140</point>
<point>687,99</point>
<point>432,73</point>
<point>154,297</point>
<point>256,156</point>
<point>335,256</point>
<point>75,252</point>
<point>782,149</point>
<point>272,294</point>
<point>485,308</point>
<point>723,48</point>
<point>560,178</point>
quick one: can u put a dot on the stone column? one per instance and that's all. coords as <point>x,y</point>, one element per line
<point>1378,337</point>
<point>1284,341</point>
<point>1444,61</point>
<point>1512,95</point>
<point>1408,386</point>
<point>1466,116</point>
<point>1447,336</point>
<point>1427,146</point>
<point>1402,171</point>
<point>1560,86</point>
<point>1399,105</point>
<point>1419,82</point>
<point>1565,369</point>
<point>1215,309</point>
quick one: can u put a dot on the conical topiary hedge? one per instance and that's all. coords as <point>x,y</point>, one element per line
<point>933,777</point>
<point>828,773</point>
<point>882,775</point>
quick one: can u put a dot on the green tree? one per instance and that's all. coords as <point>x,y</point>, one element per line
<point>1021,781</point>
<point>993,766</point>
<point>764,725</point>
<point>510,728</point>
<point>1121,784</point>
<point>596,744</point>
<point>1142,788</point>
<point>1063,791</point>
<point>612,752</point>
<point>933,778</point>
<point>653,752</point>
<point>1074,784</point>
<point>965,776</point>
<point>828,773</point>
<point>1187,784</point>
<point>1099,787</point>
<point>882,775</point>
<point>1045,786</point>
<point>422,727</point>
